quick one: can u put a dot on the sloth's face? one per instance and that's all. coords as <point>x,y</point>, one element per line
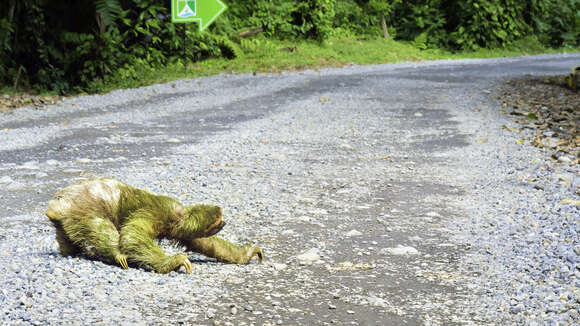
<point>209,219</point>
<point>214,228</point>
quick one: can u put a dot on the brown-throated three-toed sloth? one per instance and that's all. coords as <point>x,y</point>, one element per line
<point>108,219</point>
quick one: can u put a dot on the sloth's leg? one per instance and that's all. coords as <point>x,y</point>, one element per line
<point>66,247</point>
<point>97,237</point>
<point>138,243</point>
<point>224,250</point>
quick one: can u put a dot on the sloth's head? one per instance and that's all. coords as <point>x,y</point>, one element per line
<point>210,218</point>
<point>200,221</point>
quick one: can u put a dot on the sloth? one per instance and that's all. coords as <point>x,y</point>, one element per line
<point>112,221</point>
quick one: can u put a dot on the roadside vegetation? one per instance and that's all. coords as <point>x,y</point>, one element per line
<point>62,47</point>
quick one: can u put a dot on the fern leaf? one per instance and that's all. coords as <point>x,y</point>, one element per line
<point>109,9</point>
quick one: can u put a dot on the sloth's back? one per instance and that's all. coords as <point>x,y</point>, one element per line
<point>90,197</point>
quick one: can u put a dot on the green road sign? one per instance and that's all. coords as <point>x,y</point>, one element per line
<point>202,11</point>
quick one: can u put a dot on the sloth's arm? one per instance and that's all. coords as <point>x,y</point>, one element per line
<point>224,250</point>
<point>137,241</point>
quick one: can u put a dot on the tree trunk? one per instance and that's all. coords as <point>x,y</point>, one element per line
<point>11,11</point>
<point>250,32</point>
<point>384,26</point>
<point>100,23</point>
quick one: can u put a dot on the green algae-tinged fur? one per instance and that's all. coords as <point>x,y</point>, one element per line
<point>107,219</point>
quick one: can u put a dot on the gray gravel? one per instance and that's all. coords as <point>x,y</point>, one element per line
<point>381,195</point>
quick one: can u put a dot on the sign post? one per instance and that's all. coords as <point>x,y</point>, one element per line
<point>202,11</point>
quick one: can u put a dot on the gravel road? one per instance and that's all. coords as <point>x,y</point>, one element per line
<point>381,195</point>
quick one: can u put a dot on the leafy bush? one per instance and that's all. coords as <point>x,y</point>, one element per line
<point>556,21</point>
<point>489,23</point>
<point>419,21</point>
<point>284,19</point>
<point>63,45</point>
<point>76,45</point>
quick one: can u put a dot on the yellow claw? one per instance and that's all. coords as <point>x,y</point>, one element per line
<point>260,255</point>
<point>183,261</point>
<point>188,266</point>
<point>122,260</point>
<point>254,250</point>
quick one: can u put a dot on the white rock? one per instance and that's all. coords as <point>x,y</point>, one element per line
<point>279,267</point>
<point>6,179</point>
<point>564,180</point>
<point>72,171</point>
<point>418,114</point>
<point>173,140</point>
<point>84,160</point>
<point>564,159</point>
<point>52,162</point>
<point>552,142</point>
<point>15,186</point>
<point>318,211</point>
<point>210,313</point>
<point>304,219</point>
<point>353,233</point>
<point>432,214</point>
<point>346,146</point>
<point>278,156</point>
<point>377,302</point>
<point>30,165</point>
<point>25,302</point>
<point>309,257</point>
<point>401,250</point>
<point>288,232</point>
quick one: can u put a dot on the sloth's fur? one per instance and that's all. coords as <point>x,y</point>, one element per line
<point>110,220</point>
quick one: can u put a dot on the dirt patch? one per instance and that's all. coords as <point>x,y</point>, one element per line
<point>546,106</point>
<point>9,102</point>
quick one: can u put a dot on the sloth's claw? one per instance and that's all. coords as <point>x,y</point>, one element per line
<point>182,260</point>
<point>122,260</point>
<point>254,251</point>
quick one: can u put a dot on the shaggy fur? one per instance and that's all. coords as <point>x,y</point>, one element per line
<point>108,219</point>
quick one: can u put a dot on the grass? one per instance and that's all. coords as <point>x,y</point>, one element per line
<point>263,55</point>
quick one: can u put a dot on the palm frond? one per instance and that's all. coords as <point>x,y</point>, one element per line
<point>109,9</point>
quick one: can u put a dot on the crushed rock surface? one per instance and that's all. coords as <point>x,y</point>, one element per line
<point>381,195</point>
<point>548,113</point>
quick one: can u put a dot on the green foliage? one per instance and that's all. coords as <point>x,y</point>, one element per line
<point>350,17</point>
<point>314,17</point>
<point>5,46</point>
<point>423,21</point>
<point>309,19</point>
<point>263,46</point>
<point>66,46</point>
<point>5,30</point>
<point>228,48</point>
<point>557,22</point>
<point>271,15</point>
<point>420,41</point>
<point>380,7</point>
<point>475,24</point>
<point>489,23</point>
<point>363,17</point>
<point>470,24</point>
<point>109,10</point>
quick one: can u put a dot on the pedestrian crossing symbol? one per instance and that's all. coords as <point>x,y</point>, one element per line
<point>184,10</point>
